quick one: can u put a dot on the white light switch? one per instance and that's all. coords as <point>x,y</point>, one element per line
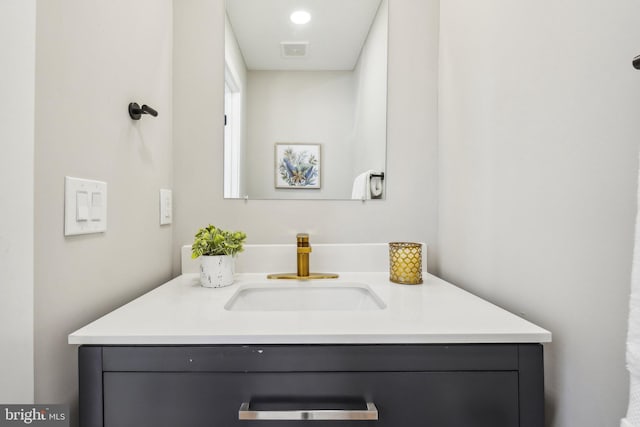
<point>166,207</point>
<point>85,206</point>
<point>96,206</point>
<point>82,206</point>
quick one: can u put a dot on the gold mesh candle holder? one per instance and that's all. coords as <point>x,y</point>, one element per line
<point>405,263</point>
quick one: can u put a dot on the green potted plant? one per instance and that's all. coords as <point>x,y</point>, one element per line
<point>216,249</point>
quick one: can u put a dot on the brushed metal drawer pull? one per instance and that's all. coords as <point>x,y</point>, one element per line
<point>371,413</point>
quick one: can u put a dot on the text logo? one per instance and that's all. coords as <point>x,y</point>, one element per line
<point>34,415</point>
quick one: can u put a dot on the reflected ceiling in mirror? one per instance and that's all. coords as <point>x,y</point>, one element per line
<point>305,104</point>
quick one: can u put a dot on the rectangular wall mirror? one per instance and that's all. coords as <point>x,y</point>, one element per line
<point>305,99</point>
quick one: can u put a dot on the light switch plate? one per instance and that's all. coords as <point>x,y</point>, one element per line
<point>166,207</point>
<point>91,217</point>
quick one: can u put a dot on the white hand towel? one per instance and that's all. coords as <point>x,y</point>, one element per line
<point>361,186</point>
<point>633,335</point>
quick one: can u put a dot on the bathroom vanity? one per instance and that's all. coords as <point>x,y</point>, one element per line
<point>427,355</point>
<point>353,351</point>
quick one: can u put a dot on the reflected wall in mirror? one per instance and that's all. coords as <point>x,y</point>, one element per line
<point>323,83</point>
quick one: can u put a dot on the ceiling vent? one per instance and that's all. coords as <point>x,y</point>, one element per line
<point>294,49</point>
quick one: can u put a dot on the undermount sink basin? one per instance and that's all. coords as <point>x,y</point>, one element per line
<point>305,297</point>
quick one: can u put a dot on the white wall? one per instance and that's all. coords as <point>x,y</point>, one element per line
<point>17,44</point>
<point>539,137</point>
<point>311,107</point>
<point>370,130</point>
<point>93,58</point>
<point>410,210</point>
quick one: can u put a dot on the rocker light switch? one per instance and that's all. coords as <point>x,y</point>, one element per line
<point>166,207</point>
<point>82,206</point>
<point>96,206</point>
<point>85,206</point>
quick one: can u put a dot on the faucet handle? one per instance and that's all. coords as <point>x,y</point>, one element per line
<point>303,243</point>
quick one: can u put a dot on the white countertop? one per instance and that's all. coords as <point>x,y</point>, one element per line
<point>181,312</point>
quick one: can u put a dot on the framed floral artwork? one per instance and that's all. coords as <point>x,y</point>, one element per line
<point>298,166</point>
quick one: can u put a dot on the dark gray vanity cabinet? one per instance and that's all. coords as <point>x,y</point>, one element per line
<point>483,385</point>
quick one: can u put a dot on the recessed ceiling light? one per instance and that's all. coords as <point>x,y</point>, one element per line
<point>300,17</point>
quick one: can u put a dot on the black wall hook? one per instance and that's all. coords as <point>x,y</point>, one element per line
<point>136,112</point>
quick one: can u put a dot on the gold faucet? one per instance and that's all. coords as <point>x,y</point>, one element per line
<point>303,250</point>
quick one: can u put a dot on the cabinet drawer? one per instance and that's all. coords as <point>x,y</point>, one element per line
<point>311,358</point>
<point>403,399</point>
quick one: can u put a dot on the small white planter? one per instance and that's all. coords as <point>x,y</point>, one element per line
<point>216,271</point>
